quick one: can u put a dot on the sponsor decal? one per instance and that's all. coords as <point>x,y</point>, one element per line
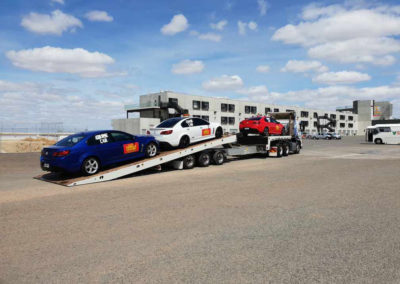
<point>277,127</point>
<point>396,132</point>
<point>131,148</point>
<point>206,132</point>
<point>102,137</point>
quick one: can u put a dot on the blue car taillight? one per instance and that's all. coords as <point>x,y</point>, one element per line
<point>61,153</point>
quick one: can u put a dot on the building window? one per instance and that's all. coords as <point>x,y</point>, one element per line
<point>224,120</point>
<point>276,109</point>
<point>342,117</point>
<point>246,109</point>
<point>289,110</point>
<point>231,120</point>
<point>326,115</point>
<point>196,104</point>
<point>315,124</point>
<point>231,108</point>
<point>304,114</point>
<point>205,105</point>
<point>267,110</point>
<point>198,116</point>
<point>333,116</point>
<point>173,100</point>
<point>350,118</point>
<point>315,115</point>
<point>205,117</point>
<point>304,123</point>
<point>342,125</point>
<point>224,107</point>
<point>350,125</point>
<point>253,109</point>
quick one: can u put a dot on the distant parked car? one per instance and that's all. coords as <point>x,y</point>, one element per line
<point>88,152</point>
<point>183,131</point>
<point>324,135</point>
<point>263,125</point>
<point>312,136</point>
<point>334,135</point>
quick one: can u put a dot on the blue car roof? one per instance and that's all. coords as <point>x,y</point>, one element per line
<point>94,132</point>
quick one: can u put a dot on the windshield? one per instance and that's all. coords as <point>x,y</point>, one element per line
<point>70,140</point>
<point>169,122</point>
<point>255,118</point>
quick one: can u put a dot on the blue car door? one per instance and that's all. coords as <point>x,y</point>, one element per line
<point>128,147</point>
<point>105,148</point>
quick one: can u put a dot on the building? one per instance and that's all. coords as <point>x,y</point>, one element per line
<point>369,112</point>
<point>156,107</point>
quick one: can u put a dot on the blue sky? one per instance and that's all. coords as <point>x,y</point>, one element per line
<point>80,61</point>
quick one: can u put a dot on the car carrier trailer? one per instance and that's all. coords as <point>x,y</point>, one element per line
<point>214,151</point>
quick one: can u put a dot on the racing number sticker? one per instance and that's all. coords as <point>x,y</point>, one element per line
<point>206,132</point>
<point>103,138</point>
<point>131,148</point>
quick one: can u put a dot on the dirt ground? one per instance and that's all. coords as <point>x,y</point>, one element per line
<point>330,214</point>
<point>26,145</point>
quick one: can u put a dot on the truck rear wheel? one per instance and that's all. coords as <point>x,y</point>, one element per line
<point>188,162</point>
<point>218,158</point>
<point>279,151</point>
<point>203,160</point>
<point>285,149</point>
<point>297,150</point>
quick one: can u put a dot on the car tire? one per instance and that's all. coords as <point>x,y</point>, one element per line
<point>188,162</point>
<point>378,141</point>
<point>90,166</point>
<point>218,132</point>
<point>203,159</point>
<point>184,142</point>
<point>151,150</point>
<point>266,132</point>
<point>218,158</point>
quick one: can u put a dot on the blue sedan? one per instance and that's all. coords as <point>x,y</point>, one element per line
<point>88,152</point>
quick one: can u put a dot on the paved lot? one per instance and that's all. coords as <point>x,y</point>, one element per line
<point>330,214</point>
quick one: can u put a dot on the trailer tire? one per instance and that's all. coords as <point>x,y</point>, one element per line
<point>279,151</point>
<point>285,148</point>
<point>298,148</point>
<point>203,159</point>
<point>188,162</point>
<point>218,158</point>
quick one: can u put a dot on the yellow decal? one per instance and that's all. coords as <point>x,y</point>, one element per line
<point>131,147</point>
<point>206,132</point>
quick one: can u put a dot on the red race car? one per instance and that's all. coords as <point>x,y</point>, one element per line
<point>263,125</point>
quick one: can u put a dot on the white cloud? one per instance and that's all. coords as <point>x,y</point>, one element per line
<point>300,66</point>
<point>55,23</point>
<point>242,27</point>
<point>219,26</point>
<point>58,60</point>
<point>255,91</point>
<point>188,67</point>
<point>178,24</point>
<point>58,1</point>
<point>224,83</point>
<point>98,16</point>
<point>343,77</point>
<point>262,7</point>
<point>348,33</point>
<point>210,37</point>
<point>263,68</point>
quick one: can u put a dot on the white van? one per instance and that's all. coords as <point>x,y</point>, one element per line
<point>383,134</point>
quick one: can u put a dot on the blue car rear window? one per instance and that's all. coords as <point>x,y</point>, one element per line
<point>70,140</point>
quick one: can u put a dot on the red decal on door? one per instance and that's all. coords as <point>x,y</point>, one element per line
<point>131,148</point>
<point>206,132</point>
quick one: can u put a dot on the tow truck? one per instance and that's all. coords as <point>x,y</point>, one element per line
<point>215,151</point>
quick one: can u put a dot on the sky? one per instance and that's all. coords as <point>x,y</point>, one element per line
<point>80,62</point>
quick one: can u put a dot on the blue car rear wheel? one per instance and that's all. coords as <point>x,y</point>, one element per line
<point>90,166</point>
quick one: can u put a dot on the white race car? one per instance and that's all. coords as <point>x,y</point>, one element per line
<point>183,131</point>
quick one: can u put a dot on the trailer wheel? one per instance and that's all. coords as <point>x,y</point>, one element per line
<point>218,158</point>
<point>279,151</point>
<point>285,149</point>
<point>203,160</point>
<point>188,162</point>
<point>297,150</point>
